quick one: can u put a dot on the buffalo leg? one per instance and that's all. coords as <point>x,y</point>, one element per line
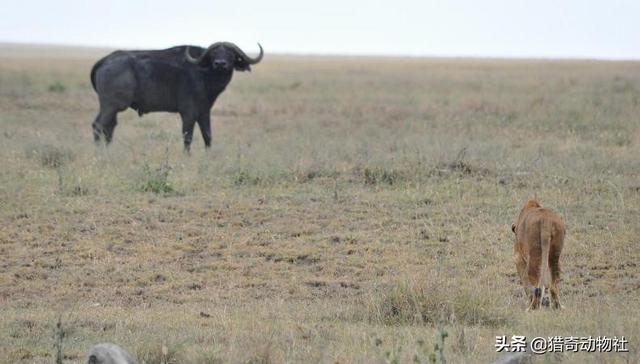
<point>97,129</point>
<point>204,122</point>
<point>188,123</point>
<point>108,130</point>
<point>104,125</point>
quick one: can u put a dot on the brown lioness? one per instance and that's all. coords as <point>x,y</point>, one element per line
<point>539,240</point>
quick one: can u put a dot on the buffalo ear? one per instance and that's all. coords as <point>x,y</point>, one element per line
<point>241,65</point>
<point>513,228</point>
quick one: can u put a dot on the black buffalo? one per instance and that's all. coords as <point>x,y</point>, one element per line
<point>182,79</point>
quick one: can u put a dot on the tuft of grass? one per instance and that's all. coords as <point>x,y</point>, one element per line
<point>429,302</point>
<point>400,352</point>
<point>460,166</point>
<point>375,176</point>
<point>160,354</point>
<point>59,339</point>
<point>51,156</point>
<point>246,178</point>
<point>79,190</point>
<point>156,180</point>
<point>57,87</point>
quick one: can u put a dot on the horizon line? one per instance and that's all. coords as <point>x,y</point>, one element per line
<point>347,55</point>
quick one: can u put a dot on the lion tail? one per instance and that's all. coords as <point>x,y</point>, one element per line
<point>544,275</point>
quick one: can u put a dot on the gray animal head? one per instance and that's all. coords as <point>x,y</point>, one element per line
<point>109,354</point>
<point>224,56</point>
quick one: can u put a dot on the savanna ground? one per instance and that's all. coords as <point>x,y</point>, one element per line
<point>350,209</point>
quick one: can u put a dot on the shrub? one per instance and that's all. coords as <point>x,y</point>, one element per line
<point>157,180</point>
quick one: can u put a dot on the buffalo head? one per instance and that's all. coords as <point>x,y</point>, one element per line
<point>224,56</point>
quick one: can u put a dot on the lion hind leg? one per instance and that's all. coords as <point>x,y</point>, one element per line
<point>539,273</point>
<point>555,284</point>
<point>534,291</point>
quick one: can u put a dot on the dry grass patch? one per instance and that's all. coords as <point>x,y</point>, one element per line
<point>335,218</point>
<point>435,301</point>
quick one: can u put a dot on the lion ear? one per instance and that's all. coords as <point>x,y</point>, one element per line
<point>513,228</point>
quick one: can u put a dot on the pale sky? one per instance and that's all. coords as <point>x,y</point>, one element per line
<point>607,29</point>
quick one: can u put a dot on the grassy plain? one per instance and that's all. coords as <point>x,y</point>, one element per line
<point>349,210</point>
